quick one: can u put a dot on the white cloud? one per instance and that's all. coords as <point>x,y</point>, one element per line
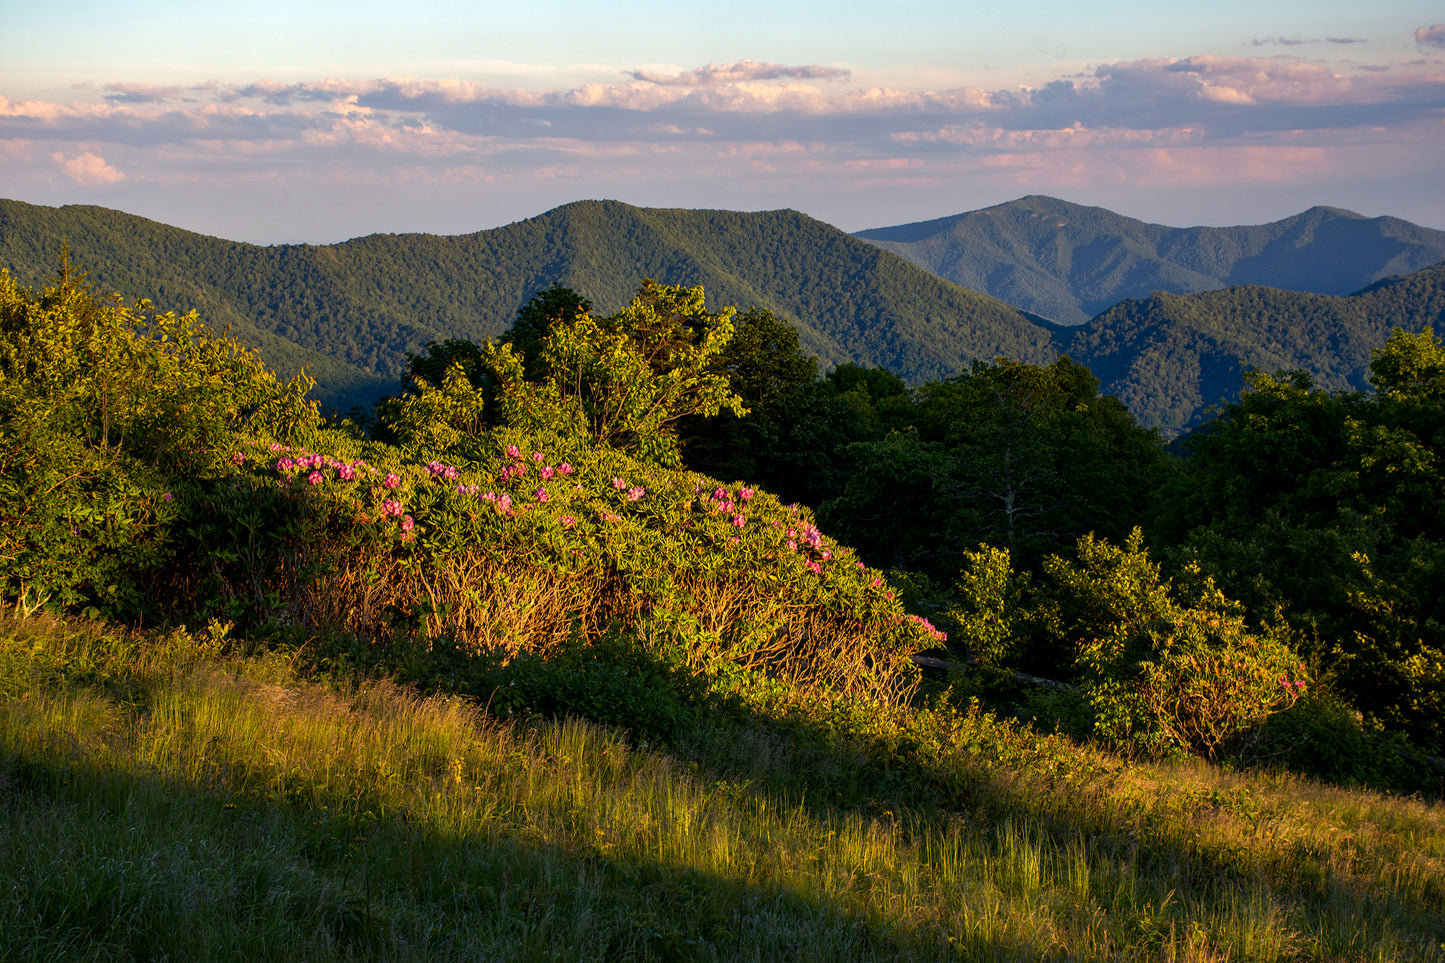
<point>88,169</point>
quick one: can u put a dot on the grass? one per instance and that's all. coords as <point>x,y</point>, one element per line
<point>175,795</point>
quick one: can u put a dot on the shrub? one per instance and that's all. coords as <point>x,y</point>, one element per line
<point>1162,674</point>
<point>105,409</point>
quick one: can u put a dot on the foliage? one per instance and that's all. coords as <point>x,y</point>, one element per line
<point>106,412</point>
<point>1160,672</point>
<point>624,381</point>
<point>1323,737</point>
<point>991,603</point>
<point>1331,507</point>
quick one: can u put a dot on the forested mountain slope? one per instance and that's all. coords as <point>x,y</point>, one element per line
<point>1170,356</point>
<point>1069,262</point>
<point>351,312</point>
<point>369,301</point>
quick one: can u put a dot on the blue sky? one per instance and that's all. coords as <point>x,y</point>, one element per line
<point>315,122</point>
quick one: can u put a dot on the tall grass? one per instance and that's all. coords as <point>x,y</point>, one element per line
<point>165,796</point>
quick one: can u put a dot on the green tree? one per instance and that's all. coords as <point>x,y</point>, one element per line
<point>624,380</point>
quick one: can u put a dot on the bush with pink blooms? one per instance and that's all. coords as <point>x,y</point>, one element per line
<point>520,544</point>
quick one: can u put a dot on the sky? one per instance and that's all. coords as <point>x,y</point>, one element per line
<point>284,121</point>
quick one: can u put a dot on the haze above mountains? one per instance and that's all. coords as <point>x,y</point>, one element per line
<point>920,299</point>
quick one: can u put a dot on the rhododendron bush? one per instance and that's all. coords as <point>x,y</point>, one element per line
<point>525,546</point>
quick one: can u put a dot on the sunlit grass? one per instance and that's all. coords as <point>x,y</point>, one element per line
<point>162,798</point>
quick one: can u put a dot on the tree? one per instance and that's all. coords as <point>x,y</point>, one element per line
<point>535,319</point>
<point>767,369</point>
<point>624,380</point>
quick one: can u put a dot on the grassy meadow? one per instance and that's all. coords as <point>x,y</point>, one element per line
<point>180,795</point>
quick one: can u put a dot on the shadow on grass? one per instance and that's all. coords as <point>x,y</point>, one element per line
<point>100,860</point>
<point>1167,851</point>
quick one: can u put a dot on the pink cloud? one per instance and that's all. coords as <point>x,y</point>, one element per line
<point>88,169</point>
<point>1431,36</point>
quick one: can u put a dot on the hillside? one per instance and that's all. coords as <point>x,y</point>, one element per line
<point>367,302</point>
<point>1069,262</point>
<point>1170,356</point>
<point>351,312</point>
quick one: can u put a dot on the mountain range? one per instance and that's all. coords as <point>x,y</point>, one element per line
<point>351,312</point>
<point>1068,262</point>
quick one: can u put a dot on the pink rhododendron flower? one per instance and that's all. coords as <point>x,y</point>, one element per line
<point>547,472</point>
<point>392,480</point>
<point>391,507</point>
<point>541,494</point>
<point>814,567</point>
<point>315,478</point>
<point>567,521</point>
<point>537,456</point>
<point>513,451</point>
<point>633,494</point>
<point>565,468</point>
<point>166,497</point>
<point>237,458</point>
<point>739,521</point>
<point>618,484</point>
<point>407,524</point>
<point>745,493</point>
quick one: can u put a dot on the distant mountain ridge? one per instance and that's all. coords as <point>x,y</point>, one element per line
<point>351,312</point>
<point>1069,262</point>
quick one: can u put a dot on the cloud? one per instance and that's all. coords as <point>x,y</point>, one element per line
<point>1431,36</point>
<point>739,71</point>
<point>1299,42</point>
<point>1198,120</point>
<point>88,169</point>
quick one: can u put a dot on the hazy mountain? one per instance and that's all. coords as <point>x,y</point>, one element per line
<point>1069,262</point>
<point>369,301</point>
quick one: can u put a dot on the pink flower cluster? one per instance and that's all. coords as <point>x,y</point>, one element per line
<point>437,470</point>
<point>502,502</point>
<point>928,629</point>
<point>315,467</point>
